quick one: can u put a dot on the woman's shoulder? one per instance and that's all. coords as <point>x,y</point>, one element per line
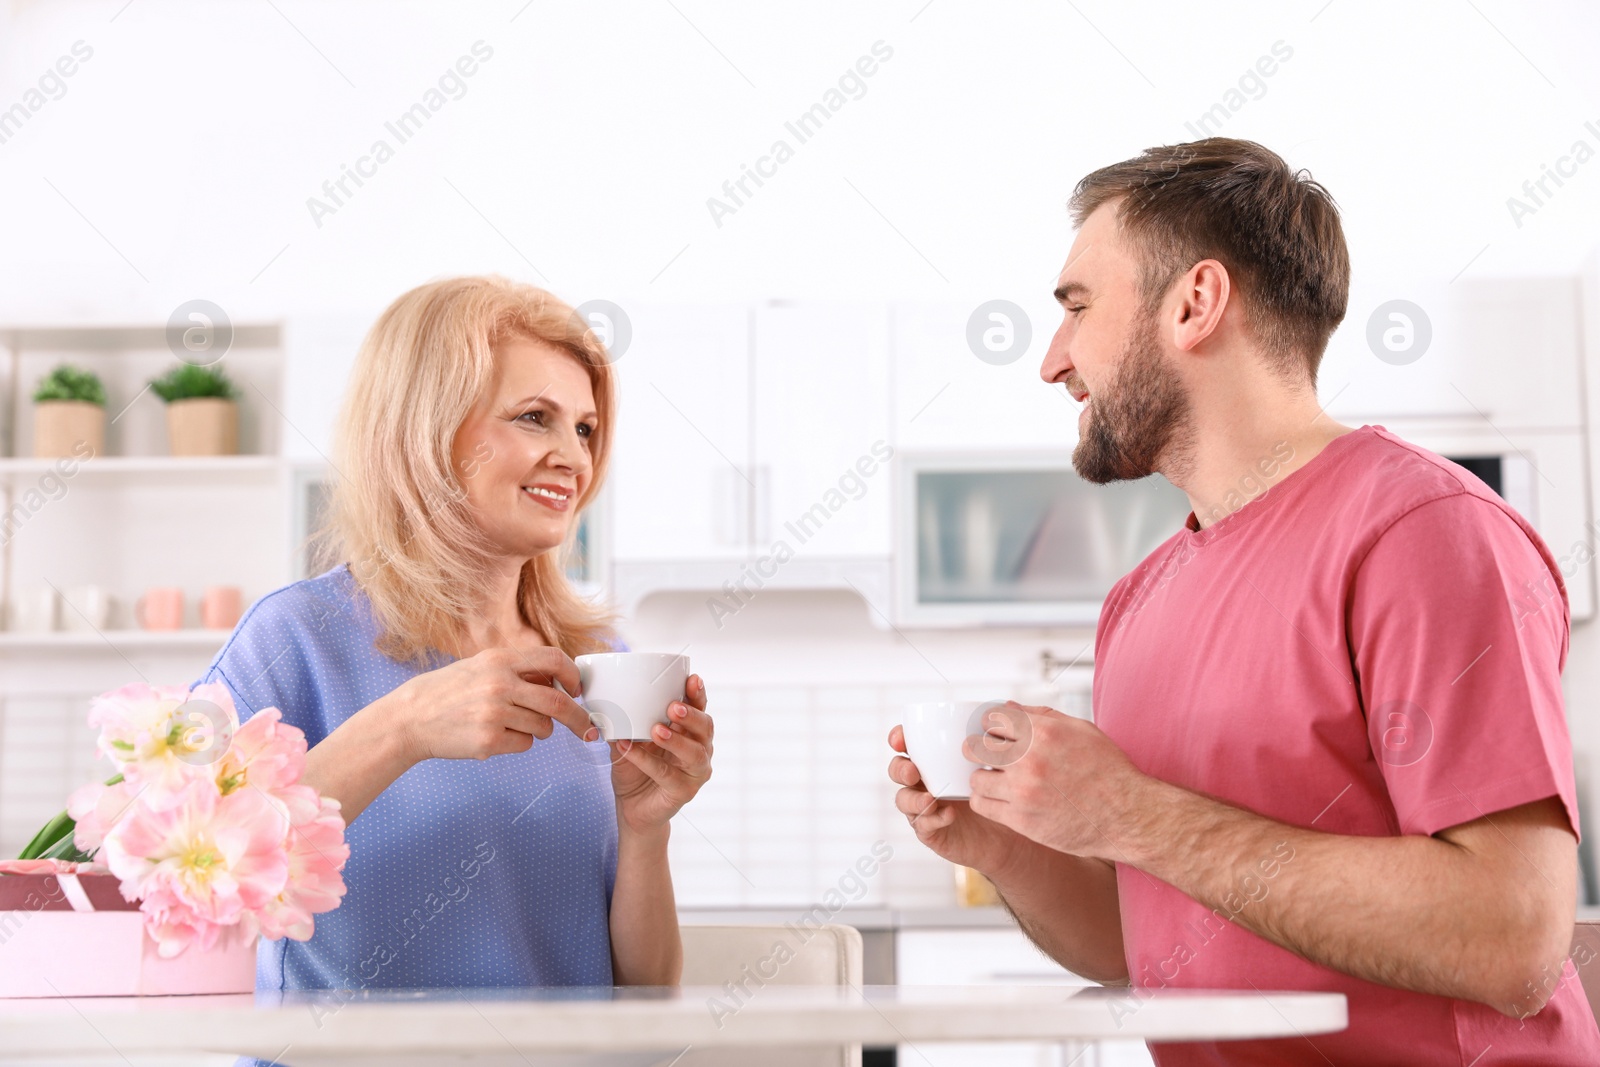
<point>280,640</point>
<point>298,611</point>
<point>309,603</point>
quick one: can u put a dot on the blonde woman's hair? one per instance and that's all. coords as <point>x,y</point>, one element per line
<point>398,513</point>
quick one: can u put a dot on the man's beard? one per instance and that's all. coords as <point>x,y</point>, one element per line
<point>1142,415</point>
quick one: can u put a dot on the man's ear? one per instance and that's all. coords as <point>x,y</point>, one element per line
<point>1203,294</point>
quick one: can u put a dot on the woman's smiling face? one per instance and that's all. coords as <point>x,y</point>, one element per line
<point>523,452</point>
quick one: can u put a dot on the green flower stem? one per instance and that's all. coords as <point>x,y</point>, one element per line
<point>47,836</point>
<point>54,839</point>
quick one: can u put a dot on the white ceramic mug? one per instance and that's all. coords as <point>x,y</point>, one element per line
<point>88,608</point>
<point>626,693</point>
<point>35,610</point>
<point>934,735</point>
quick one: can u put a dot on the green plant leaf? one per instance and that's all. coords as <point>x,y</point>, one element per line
<point>187,381</point>
<point>67,382</point>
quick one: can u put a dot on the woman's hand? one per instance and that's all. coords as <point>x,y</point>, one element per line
<point>653,779</point>
<point>489,704</point>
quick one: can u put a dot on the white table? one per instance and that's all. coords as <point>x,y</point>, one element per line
<point>524,1026</point>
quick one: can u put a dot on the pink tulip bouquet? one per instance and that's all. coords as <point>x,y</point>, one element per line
<point>206,823</point>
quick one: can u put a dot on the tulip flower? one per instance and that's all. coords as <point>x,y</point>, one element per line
<point>200,862</point>
<point>206,822</point>
<point>317,852</point>
<point>156,735</point>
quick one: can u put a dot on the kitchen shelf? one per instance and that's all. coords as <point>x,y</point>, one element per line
<point>131,519</point>
<point>135,518</point>
<point>177,640</point>
<point>148,468</point>
<point>115,338</point>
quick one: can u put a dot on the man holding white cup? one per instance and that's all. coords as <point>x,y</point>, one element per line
<point>1329,750</point>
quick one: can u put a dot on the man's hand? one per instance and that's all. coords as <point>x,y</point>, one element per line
<point>1065,904</point>
<point>949,827</point>
<point>1055,780</point>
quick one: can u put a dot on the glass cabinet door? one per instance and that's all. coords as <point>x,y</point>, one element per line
<point>1040,536</point>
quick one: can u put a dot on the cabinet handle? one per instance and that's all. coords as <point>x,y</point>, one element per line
<point>761,507</point>
<point>730,506</point>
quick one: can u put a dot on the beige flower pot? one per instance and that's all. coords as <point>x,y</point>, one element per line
<point>203,426</point>
<point>59,426</point>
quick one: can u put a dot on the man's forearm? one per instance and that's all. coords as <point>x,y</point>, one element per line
<point>1415,912</point>
<point>1067,905</point>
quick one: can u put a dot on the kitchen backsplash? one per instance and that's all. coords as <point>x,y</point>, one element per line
<point>46,751</point>
<point>804,690</point>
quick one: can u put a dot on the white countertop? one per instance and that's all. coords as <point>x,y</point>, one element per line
<point>862,918</point>
<point>311,1028</point>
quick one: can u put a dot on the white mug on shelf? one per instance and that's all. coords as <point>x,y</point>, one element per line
<point>34,610</point>
<point>88,608</point>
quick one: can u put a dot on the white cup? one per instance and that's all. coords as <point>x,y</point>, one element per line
<point>88,607</point>
<point>626,693</point>
<point>935,733</point>
<point>35,610</point>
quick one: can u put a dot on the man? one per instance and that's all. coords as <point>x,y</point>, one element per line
<point>1329,749</point>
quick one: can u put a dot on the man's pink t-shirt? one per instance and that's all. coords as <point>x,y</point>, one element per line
<point>1371,648</point>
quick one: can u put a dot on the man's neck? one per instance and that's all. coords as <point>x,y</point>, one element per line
<point>1247,440</point>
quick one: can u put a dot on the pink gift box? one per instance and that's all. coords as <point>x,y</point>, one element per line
<point>60,939</point>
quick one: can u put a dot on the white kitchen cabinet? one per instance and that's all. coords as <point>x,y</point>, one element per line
<point>742,426</point>
<point>1503,353</point>
<point>821,434</point>
<point>975,956</point>
<point>681,466</point>
<point>996,956</point>
<point>946,397</point>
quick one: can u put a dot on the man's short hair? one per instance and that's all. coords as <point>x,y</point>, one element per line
<point>1274,229</point>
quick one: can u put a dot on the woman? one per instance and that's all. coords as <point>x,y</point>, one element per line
<point>494,841</point>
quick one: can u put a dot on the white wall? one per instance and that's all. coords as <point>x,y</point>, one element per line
<point>582,154</point>
<point>1581,679</point>
<point>179,161</point>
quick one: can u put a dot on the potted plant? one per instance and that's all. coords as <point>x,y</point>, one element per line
<point>69,410</point>
<point>202,412</point>
<point>204,839</point>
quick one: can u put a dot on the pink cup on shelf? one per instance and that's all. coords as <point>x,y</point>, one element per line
<point>221,606</point>
<point>161,608</point>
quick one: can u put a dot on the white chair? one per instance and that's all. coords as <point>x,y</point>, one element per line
<point>746,956</point>
<point>1586,959</point>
